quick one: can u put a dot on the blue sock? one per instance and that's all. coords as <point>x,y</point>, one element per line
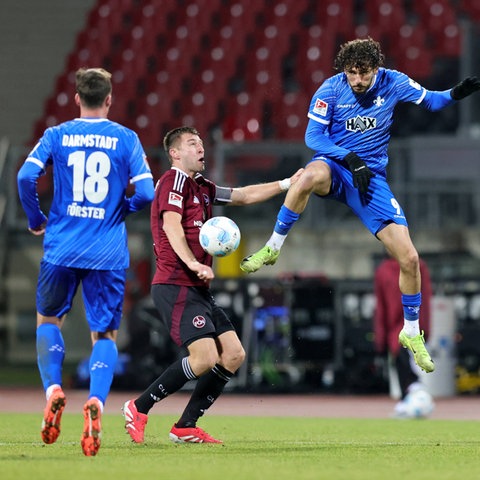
<point>102,367</point>
<point>50,354</point>
<point>285,220</point>
<point>411,306</point>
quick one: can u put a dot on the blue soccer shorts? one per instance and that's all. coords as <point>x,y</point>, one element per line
<point>103,294</point>
<point>376,209</point>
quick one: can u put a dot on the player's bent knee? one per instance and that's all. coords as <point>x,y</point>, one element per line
<point>410,262</point>
<point>233,360</point>
<point>202,366</point>
<point>314,180</point>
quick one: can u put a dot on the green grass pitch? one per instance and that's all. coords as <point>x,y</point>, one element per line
<point>254,448</point>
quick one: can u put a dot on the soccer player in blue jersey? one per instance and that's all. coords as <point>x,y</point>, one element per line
<point>93,161</point>
<point>350,116</point>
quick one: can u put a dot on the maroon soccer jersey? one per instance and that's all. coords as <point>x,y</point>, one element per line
<point>388,318</point>
<point>193,200</point>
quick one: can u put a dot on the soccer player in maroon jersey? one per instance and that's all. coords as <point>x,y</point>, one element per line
<point>388,322</point>
<point>180,288</point>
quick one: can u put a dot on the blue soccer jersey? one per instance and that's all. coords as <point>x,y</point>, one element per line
<point>93,161</point>
<point>349,122</point>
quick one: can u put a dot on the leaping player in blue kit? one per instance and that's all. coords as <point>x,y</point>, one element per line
<point>93,161</point>
<point>350,116</point>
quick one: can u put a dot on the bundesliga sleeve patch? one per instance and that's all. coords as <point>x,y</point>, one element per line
<point>320,107</point>
<point>175,199</point>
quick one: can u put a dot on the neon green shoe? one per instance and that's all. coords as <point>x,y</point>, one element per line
<point>417,346</point>
<point>265,256</point>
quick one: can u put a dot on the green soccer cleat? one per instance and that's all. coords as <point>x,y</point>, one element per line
<point>265,256</point>
<point>417,346</point>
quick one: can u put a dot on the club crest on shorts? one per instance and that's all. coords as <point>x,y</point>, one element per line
<point>199,321</point>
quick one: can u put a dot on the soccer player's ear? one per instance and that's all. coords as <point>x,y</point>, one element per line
<point>465,88</point>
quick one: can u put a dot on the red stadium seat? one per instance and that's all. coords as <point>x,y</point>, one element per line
<point>337,15</point>
<point>289,116</point>
<point>448,42</point>
<point>471,9</point>
<point>92,42</point>
<point>84,58</point>
<point>148,131</point>
<point>151,111</point>
<point>439,19</point>
<point>191,55</point>
<point>138,39</point>
<point>413,57</point>
<point>108,16</point>
<point>243,118</point>
<point>176,60</point>
<point>163,83</point>
<point>198,19</point>
<point>285,15</point>
<point>314,58</point>
<point>385,16</point>
<point>264,71</point>
<point>157,103</point>
<point>199,109</point>
<point>241,15</point>
<point>126,69</point>
<point>274,38</point>
<point>365,30</point>
<point>434,14</point>
<point>221,60</point>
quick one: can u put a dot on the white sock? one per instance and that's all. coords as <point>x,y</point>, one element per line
<point>50,389</point>
<point>411,328</point>
<point>276,241</point>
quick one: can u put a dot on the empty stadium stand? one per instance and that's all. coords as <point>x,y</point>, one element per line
<point>248,67</point>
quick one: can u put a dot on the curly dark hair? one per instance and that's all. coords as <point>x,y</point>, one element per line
<point>361,53</point>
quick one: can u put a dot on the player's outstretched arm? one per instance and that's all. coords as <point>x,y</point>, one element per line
<point>263,191</point>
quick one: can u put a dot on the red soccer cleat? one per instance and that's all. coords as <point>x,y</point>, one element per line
<point>135,422</point>
<point>92,427</point>
<point>191,435</point>
<point>52,415</point>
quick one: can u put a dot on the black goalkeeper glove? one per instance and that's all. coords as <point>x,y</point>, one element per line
<point>465,88</point>
<point>361,173</point>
